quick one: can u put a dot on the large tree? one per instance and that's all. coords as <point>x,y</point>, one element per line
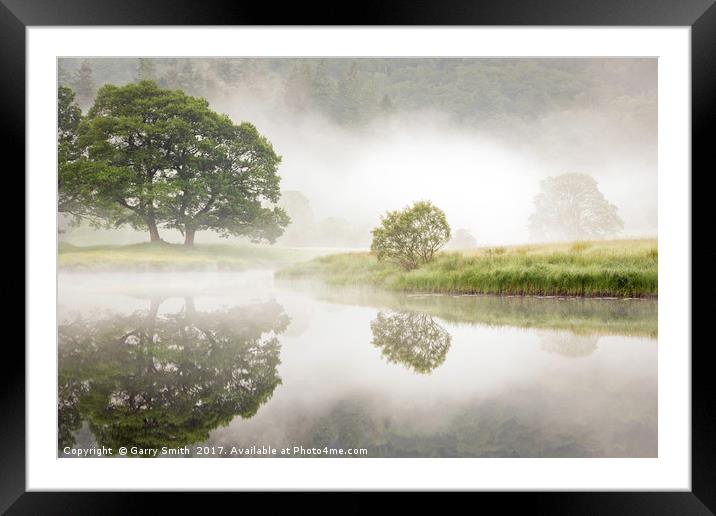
<point>571,207</point>
<point>225,179</point>
<point>152,156</point>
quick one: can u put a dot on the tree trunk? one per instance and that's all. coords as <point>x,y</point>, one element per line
<point>153,231</point>
<point>189,236</point>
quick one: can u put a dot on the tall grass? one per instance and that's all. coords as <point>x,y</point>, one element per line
<point>619,268</point>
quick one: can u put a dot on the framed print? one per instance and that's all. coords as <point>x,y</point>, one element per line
<point>441,249</point>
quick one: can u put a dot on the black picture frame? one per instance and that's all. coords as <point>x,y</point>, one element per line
<point>700,15</point>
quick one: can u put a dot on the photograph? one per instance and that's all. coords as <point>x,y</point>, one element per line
<point>357,257</point>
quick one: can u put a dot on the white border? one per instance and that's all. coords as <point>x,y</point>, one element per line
<point>671,470</point>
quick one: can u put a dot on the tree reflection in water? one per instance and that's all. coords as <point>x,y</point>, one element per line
<point>153,380</point>
<point>569,344</point>
<point>413,339</point>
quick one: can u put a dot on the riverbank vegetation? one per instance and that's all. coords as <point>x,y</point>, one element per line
<point>615,268</point>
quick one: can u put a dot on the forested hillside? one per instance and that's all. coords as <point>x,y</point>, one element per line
<point>354,91</point>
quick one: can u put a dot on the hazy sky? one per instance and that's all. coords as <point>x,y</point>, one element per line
<point>484,179</point>
<point>484,175</point>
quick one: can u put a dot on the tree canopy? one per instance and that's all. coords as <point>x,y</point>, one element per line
<point>69,116</point>
<point>152,156</point>
<point>571,207</point>
<point>410,338</point>
<point>412,236</point>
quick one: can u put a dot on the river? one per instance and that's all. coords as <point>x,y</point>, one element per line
<point>236,363</point>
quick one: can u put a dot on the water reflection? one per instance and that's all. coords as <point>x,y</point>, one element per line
<point>412,339</point>
<point>153,380</point>
<point>569,345</point>
<point>401,375</point>
<point>634,317</point>
<point>507,427</point>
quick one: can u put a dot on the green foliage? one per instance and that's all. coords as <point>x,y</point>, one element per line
<point>413,339</point>
<point>152,380</point>
<point>571,207</point>
<point>412,236</point>
<point>69,116</point>
<point>477,92</point>
<point>626,268</point>
<point>153,156</point>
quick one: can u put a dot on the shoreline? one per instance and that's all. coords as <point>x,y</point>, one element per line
<point>617,269</point>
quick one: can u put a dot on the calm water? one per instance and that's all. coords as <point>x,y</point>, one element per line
<point>239,360</point>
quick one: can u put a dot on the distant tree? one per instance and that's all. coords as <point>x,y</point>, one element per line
<point>338,232</point>
<point>351,105</point>
<point>228,71</point>
<point>297,87</point>
<point>169,78</point>
<point>146,70</point>
<point>84,85</point>
<point>463,239</point>
<point>69,116</point>
<point>571,207</point>
<point>302,228</point>
<point>412,236</point>
<point>410,338</point>
<point>64,76</point>
<point>322,88</point>
<point>386,105</point>
<point>154,156</point>
<point>188,79</point>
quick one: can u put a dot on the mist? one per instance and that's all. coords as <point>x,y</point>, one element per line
<point>483,173</point>
<point>288,337</point>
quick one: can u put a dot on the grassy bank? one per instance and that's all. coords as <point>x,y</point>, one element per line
<point>617,268</point>
<point>176,257</point>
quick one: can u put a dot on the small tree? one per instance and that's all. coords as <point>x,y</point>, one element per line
<point>412,236</point>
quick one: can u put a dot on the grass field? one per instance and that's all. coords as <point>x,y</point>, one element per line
<point>615,268</point>
<point>176,257</point>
